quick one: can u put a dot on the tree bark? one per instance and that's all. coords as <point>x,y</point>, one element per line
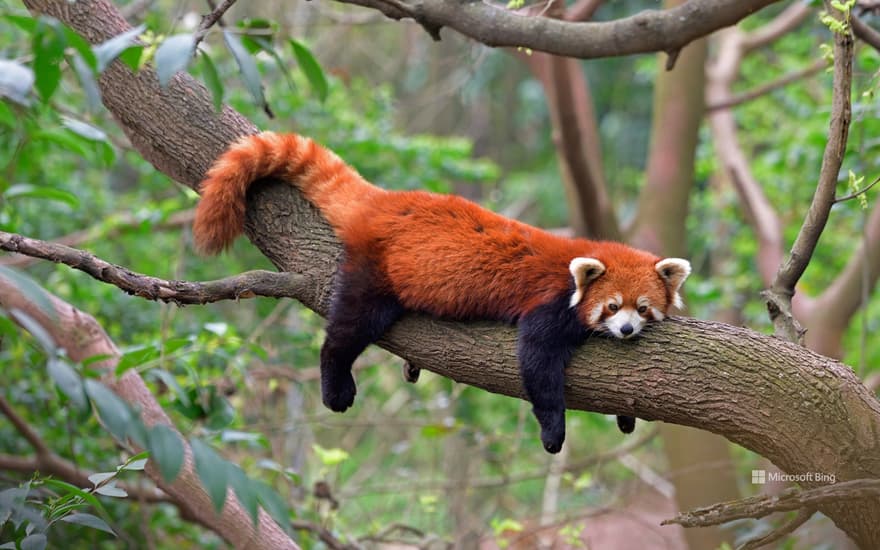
<point>803,411</point>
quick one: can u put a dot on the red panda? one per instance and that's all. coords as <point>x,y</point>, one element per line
<point>448,257</point>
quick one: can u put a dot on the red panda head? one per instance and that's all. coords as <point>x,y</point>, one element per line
<point>621,296</point>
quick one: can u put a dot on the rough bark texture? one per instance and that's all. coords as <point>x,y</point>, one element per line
<point>647,31</point>
<point>803,411</point>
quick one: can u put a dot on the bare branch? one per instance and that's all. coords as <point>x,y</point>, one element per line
<point>865,32</point>
<point>791,499</point>
<point>22,427</point>
<point>648,31</point>
<point>779,295</point>
<point>244,285</point>
<point>769,87</point>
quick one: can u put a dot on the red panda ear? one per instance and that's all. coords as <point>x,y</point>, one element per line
<point>673,271</point>
<point>584,271</point>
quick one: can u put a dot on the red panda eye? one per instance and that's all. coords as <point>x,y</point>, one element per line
<point>613,307</point>
<point>642,309</point>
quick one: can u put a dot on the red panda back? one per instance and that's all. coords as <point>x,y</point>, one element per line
<point>450,257</point>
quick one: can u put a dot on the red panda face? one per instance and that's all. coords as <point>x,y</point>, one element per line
<point>621,297</point>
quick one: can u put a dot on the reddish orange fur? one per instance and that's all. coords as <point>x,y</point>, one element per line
<point>439,254</point>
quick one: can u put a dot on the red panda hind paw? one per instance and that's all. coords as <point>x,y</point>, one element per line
<point>338,395</point>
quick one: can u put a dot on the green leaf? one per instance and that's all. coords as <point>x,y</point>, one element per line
<point>88,520</point>
<point>247,66</point>
<point>81,46</point>
<point>31,290</point>
<point>212,471</point>
<point>48,49</point>
<point>84,129</point>
<point>137,357</point>
<point>168,379</point>
<point>100,477</point>
<point>132,57</point>
<point>330,457</point>
<point>220,412</point>
<point>40,334</point>
<point>174,54</point>
<point>244,490</point>
<point>212,80</point>
<point>37,541</point>
<point>7,117</point>
<point>86,78</point>
<point>26,23</point>
<point>114,412</point>
<point>67,488</point>
<point>68,381</point>
<point>311,68</point>
<point>16,81</point>
<point>110,49</point>
<point>111,490</point>
<point>26,190</point>
<point>136,466</point>
<point>137,462</point>
<point>166,449</point>
<point>272,502</point>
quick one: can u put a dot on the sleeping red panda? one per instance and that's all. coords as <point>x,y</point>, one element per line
<point>448,257</point>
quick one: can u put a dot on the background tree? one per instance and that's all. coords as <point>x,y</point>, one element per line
<point>177,130</point>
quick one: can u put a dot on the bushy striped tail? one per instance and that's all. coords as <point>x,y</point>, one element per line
<point>323,178</point>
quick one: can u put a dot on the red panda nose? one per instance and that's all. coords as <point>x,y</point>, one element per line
<point>626,329</point>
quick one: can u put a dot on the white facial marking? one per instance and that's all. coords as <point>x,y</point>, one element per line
<point>658,315</point>
<point>627,319</point>
<point>596,314</point>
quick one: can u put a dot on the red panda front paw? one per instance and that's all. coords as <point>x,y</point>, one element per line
<point>338,393</point>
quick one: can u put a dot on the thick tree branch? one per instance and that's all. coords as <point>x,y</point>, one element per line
<point>802,411</point>
<point>648,31</point>
<point>244,285</point>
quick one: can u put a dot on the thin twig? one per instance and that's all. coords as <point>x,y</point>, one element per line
<point>244,285</point>
<point>780,532</point>
<point>209,20</point>
<point>328,538</point>
<point>861,191</point>
<point>22,427</point>
<point>769,87</point>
